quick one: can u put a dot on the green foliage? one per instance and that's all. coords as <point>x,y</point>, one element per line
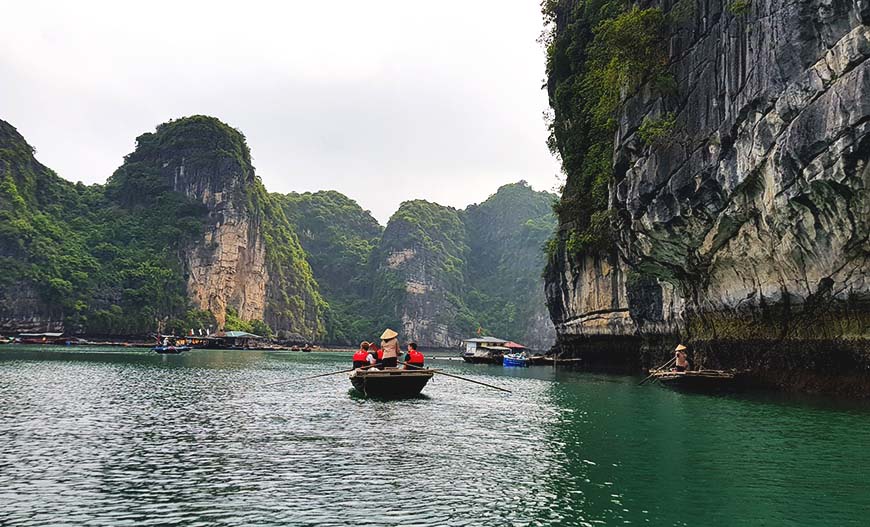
<point>107,260</point>
<point>195,319</point>
<point>657,131</point>
<point>597,52</point>
<point>422,240</point>
<point>258,327</point>
<point>338,237</point>
<point>506,234</point>
<point>626,51</point>
<point>739,7</point>
<point>300,306</point>
<point>234,323</point>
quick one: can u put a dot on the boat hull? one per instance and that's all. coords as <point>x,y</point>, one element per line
<point>482,360</point>
<point>390,383</point>
<point>516,363</point>
<point>700,381</point>
<point>170,350</point>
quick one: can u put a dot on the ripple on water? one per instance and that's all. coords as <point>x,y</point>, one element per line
<point>133,438</point>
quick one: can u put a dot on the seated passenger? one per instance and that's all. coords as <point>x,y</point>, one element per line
<point>413,359</point>
<point>360,358</point>
<point>374,355</point>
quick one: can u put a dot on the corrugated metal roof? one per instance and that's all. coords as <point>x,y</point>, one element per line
<point>486,340</point>
<point>241,334</point>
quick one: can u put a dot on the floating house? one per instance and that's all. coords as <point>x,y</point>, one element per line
<point>41,338</point>
<point>485,350</point>
<point>237,339</point>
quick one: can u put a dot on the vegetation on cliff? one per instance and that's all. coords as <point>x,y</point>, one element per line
<point>106,259</point>
<point>100,266</point>
<point>422,265</point>
<point>433,266</point>
<point>113,259</point>
<point>338,237</point>
<point>596,53</point>
<point>447,272</point>
<point>506,235</point>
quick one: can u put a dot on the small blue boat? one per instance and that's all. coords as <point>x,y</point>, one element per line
<point>170,350</point>
<point>516,359</point>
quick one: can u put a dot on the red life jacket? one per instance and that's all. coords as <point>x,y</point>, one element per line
<point>416,358</point>
<point>360,355</point>
<point>380,355</point>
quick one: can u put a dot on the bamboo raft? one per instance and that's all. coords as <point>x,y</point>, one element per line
<point>699,380</point>
<point>390,383</point>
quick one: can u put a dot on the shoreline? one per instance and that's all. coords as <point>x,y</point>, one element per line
<point>821,366</point>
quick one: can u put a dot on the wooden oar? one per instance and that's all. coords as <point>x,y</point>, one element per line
<point>660,368</point>
<point>439,372</point>
<point>316,376</point>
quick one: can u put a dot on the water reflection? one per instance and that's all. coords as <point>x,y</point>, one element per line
<point>199,439</point>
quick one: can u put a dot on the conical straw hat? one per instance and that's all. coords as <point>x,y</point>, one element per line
<point>389,334</point>
<point>680,347</point>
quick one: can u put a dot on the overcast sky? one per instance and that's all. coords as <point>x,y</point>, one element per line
<point>383,101</point>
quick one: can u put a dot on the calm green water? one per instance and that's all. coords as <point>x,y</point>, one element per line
<point>129,437</point>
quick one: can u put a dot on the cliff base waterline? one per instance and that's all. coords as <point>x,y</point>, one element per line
<point>838,367</point>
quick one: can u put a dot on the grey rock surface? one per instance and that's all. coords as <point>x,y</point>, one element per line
<point>751,223</point>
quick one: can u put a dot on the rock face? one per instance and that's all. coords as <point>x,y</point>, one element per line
<point>231,265</point>
<point>420,277</point>
<point>746,231</point>
<point>209,163</point>
<point>181,234</point>
<point>446,273</point>
<point>507,234</point>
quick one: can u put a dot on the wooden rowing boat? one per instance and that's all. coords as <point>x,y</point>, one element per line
<point>699,380</point>
<point>390,383</point>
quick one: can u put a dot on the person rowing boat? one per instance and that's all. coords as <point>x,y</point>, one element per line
<point>390,345</point>
<point>682,362</point>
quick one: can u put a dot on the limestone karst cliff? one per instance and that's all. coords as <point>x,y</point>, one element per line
<point>444,273</point>
<point>179,235</point>
<point>435,273</point>
<point>184,236</point>
<point>247,257</point>
<point>737,189</point>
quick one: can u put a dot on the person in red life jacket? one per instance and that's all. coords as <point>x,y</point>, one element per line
<point>361,357</point>
<point>375,355</point>
<point>414,359</point>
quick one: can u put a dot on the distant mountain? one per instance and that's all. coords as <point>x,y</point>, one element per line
<point>507,234</point>
<point>421,272</point>
<point>338,237</point>
<point>445,273</point>
<point>184,236</point>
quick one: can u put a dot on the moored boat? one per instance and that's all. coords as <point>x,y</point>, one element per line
<point>699,380</point>
<point>390,383</point>
<point>484,350</point>
<point>516,359</point>
<point>170,350</point>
